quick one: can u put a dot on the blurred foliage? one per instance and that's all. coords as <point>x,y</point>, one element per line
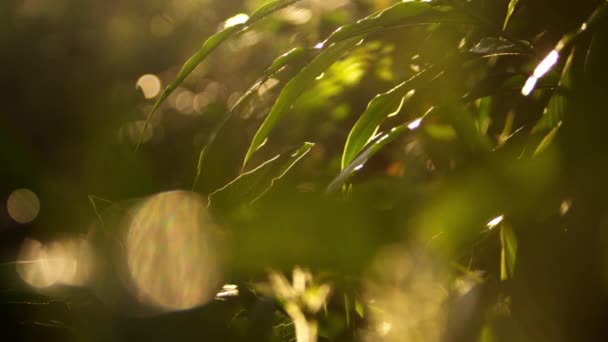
<point>437,167</point>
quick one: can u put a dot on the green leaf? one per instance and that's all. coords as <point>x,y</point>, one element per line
<point>510,10</point>
<point>290,57</point>
<point>209,46</point>
<point>508,254</point>
<point>251,185</point>
<point>269,8</point>
<point>392,16</point>
<point>224,145</point>
<point>295,87</point>
<point>466,128</point>
<point>372,148</point>
<point>379,108</point>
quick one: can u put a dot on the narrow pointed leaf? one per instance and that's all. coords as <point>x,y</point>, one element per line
<point>379,108</point>
<point>295,87</point>
<point>510,10</point>
<point>249,186</point>
<point>224,145</point>
<point>292,56</point>
<point>397,14</point>
<point>270,7</point>
<point>372,148</point>
<point>508,255</point>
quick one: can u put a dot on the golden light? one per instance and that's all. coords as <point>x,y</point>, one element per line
<point>414,124</point>
<point>543,67</point>
<point>184,102</point>
<point>59,262</point>
<point>172,252</point>
<point>565,207</point>
<point>240,18</point>
<point>150,85</point>
<point>407,295</point>
<point>23,206</point>
<point>495,221</point>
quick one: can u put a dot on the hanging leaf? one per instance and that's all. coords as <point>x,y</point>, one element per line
<point>209,46</point>
<point>508,253</point>
<point>251,185</point>
<point>379,108</point>
<point>404,13</point>
<point>269,8</point>
<point>229,130</point>
<point>372,148</point>
<point>295,87</point>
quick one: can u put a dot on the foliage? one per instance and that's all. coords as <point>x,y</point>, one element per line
<point>438,165</point>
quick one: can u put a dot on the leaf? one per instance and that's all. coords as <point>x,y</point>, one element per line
<point>379,108</point>
<point>492,46</point>
<point>224,144</point>
<point>392,16</point>
<point>269,8</point>
<point>251,185</point>
<point>508,253</point>
<point>290,57</point>
<point>547,140</point>
<point>209,46</point>
<point>377,143</point>
<point>466,128</point>
<point>295,87</point>
<point>510,10</point>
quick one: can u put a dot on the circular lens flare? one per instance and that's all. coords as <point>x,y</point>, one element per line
<point>23,206</point>
<point>171,252</point>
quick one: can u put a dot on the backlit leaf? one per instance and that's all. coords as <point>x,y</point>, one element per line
<point>510,10</point>
<point>379,108</point>
<point>508,254</point>
<point>250,185</point>
<point>295,87</point>
<point>209,46</point>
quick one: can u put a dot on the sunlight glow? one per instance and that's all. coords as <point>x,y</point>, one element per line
<point>171,251</point>
<point>529,86</point>
<point>228,290</point>
<point>23,206</point>
<point>408,295</point>
<point>495,221</point>
<point>546,65</point>
<point>565,207</point>
<point>150,85</point>
<point>540,71</point>
<point>59,262</point>
<point>414,124</point>
<point>240,18</point>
